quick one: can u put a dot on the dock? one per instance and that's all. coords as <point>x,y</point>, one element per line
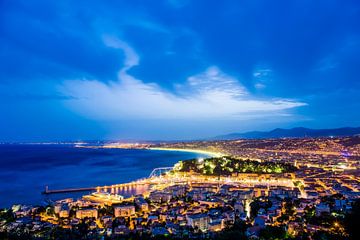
<point>112,188</point>
<point>68,190</point>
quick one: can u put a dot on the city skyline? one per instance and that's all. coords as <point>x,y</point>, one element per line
<point>176,69</point>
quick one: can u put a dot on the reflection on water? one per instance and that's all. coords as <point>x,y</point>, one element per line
<point>128,191</point>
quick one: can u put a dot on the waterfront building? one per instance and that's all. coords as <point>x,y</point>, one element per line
<point>124,211</point>
<point>160,197</point>
<point>90,213</point>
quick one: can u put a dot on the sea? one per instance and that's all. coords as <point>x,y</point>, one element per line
<point>25,169</point>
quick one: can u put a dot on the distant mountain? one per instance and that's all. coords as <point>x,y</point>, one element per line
<point>292,133</point>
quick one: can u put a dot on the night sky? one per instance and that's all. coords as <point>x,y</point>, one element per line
<point>72,70</point>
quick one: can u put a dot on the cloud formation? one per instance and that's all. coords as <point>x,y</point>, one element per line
<point>211,94</point>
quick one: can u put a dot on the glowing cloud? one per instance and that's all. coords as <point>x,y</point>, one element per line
<point>207,95</point>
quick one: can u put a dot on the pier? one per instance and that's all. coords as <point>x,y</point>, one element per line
<point>112,188</point>
<point>157,172</point>
<point>67,190</point>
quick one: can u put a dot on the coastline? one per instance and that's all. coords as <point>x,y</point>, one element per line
<point>93,168</point>
<point>199,151</point>
<point>210,154</point>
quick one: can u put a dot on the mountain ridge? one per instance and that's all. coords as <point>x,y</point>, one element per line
<point>296,132</point>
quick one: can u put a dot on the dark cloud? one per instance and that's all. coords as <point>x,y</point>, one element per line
<point>43,41</point>
<point>310,48</point>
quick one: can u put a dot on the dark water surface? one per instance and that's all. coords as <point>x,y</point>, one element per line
<point>25,170</point>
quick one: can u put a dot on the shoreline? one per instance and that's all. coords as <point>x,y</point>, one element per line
<point>210,154</point>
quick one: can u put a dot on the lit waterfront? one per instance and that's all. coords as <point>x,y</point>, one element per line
<point>209,153</point>
<point>143,186</point>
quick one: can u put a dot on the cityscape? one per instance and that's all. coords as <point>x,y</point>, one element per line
<point>179,119</point>
<point>298,188</point>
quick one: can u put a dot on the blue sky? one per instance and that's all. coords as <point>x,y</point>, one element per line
<point>176,69</point>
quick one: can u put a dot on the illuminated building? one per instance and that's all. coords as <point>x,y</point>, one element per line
<point>90,213</point>
<point>124,211</point>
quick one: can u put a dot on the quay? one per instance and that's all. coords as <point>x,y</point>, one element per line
<point>68,190</point>
<point>145,181</point>
<point>102,188</point>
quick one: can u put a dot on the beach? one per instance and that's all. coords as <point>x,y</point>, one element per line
<point>210,154</point>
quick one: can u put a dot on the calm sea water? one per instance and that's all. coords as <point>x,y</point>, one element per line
<point>25,170</point>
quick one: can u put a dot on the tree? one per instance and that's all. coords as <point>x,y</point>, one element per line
<point>7,215</point>
<point>352,221</point>
<point>273,233</point>
<point>237,231</point>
